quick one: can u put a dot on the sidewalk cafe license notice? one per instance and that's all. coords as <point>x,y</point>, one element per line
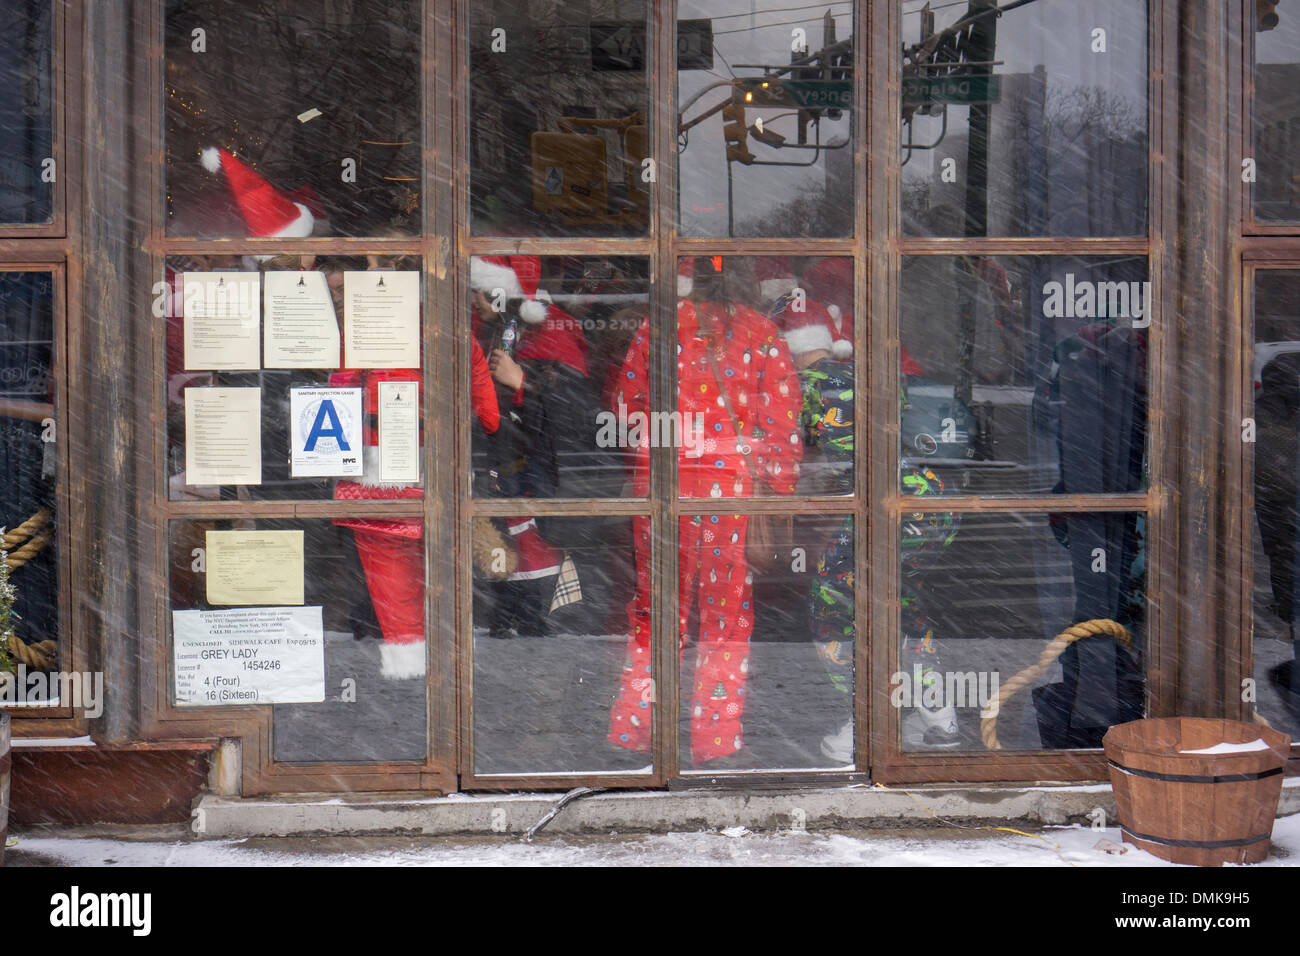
<point>249,655</point>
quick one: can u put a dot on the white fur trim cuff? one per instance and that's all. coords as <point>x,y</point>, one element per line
<point>809,338</point>
<point>485,276</point>
<point>402,661</point>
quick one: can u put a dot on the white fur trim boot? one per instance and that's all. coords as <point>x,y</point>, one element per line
<point>402,661</point>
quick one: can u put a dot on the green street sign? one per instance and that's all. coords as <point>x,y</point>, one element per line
<point>924,90</point>
<point>800,94</point>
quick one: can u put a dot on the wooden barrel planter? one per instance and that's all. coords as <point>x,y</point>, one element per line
<point>1208,808</point>
<point>5,764</point>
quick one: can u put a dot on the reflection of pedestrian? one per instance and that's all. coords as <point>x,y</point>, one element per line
<point>1277,417</point>
<point>735,373</point>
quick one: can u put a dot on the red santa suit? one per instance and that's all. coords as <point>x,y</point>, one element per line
<point>754,365</point>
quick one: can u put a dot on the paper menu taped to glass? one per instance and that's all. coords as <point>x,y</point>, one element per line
<point>254,567</point>
<point>399,431</point>
<point>326,432</point>
<point>223,437</point>
<point>381,319</point>
<point>255,655</point>
<point>300,328</point>
<point>222,319</point>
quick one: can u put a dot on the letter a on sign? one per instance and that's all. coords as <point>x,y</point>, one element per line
<point>327,425</point>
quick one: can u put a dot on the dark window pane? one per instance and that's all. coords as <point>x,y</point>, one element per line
<point>981,597</point>
<point>765,133</point>
<point>767,670</point>
<point>1277,112</point>
<point>365,578</point>
<point>1276,377</point>
<point>28,472</point>
<point>27,175</point>
<point>559,114</point>
<point>765,402</point>
<point>293,119</point>
<point>551,341</point>
<point>1031,122</point>
<point>276,375</point>
<point>1026,375</point>
<point>553,598</point>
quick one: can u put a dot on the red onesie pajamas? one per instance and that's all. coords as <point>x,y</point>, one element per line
<point>753,364</point>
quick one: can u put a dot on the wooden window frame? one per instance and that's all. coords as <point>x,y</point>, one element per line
<point>53,248</point>
<point>446,245</point>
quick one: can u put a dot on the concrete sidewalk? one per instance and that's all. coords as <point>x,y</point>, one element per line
<point>856,807</point>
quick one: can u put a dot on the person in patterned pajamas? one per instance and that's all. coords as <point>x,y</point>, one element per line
<point>752,363</point>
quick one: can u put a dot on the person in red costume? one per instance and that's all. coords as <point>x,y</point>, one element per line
<point>751,363</point>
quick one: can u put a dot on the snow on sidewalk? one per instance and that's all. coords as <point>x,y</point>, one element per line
<point>944,846</point>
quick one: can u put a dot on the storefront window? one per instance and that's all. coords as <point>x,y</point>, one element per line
<point>764,376</point>
<point>765,129</point>
<point>767,670</point>
<point>1276,112</point>
<point>1028,122</point>
<point>277,371</point>
<point>324,618</point>
<point>1275,378</point>
<point>552,339</point>
<point>291,120</point>
<point>28,479</point>
<point>554,604</point>
<point>559,129</point>
<point>27,170</point>
<point>1026,375</point>
<point>982,598</point>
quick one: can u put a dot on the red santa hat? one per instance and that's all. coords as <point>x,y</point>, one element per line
<point>809,330</point>
<point>266,211</point>
<point>517,277</point>
<point>775,277</point>
<point>830,282</point>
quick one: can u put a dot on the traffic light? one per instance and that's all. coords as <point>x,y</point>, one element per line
<point>736,133</point>
<point>1265,15</point>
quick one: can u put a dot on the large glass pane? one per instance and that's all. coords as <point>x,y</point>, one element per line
<point>297,119</point>
<point>764,378</point>
<point>28,476</point>
<point>322,618</point>
<point>1276,376</point>
<point>278,372</point>
<point>766,619</point>
<point>548,362</point>
<point>554,601</point>
<point>1025,120</point>
<point>1026,375</point>
<point>981,598</point>
<point>765,122</point>
<point>1276,108</point>
<point>27,173</point>
<point>559,118</point>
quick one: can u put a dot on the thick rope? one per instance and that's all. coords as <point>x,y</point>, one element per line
<point>1077,632</point>
<point>25,530</point>
<point>41,656</point>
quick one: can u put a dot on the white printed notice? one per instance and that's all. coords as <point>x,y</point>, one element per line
<point>223,437</point>
<point>251,655</point>
<point>222,319</point>
<point>399,431</point>
<point>326,426</point>
<point>300,329</point>
<point>381,319</point>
